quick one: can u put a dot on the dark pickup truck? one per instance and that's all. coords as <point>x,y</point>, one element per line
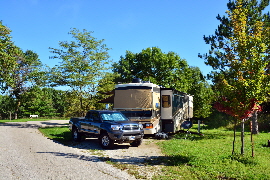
<point>108,126</point>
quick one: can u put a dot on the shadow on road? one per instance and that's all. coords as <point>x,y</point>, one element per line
<point>37,124</point>
<point>139,160</point>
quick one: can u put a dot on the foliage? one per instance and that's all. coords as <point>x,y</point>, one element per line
<point>46,102</point>
<point>153,65</point>
<point>19,70</point>
<point>239,56</point>
<point>84,62</point>
<point>8,52</point>
<point>105,89</point>
<point>7,107</point>
<point>168,70</point>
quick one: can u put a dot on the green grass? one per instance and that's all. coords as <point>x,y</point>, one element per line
<point>28,119</point>
<point>210,157</point>
<point>60,134</point>
<point>201,157</point>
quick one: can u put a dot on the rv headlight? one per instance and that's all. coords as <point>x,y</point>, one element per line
<point>149,125</point>
<point>116,127</point>
<point>140,126</point>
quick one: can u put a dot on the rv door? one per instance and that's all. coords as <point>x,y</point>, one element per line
<point>166,104</point>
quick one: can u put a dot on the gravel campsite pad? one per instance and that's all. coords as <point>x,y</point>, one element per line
<point>27,154</point>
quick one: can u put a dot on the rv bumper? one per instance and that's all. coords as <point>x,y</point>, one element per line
<point>150,131</point>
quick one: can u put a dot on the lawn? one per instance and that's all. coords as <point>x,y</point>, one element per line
<point>60,134</point>
<point>210,157</point>
<point>202,157</point>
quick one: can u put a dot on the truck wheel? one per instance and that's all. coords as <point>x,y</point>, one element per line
<point>105,141</point>
<point>136,143</point>
<point>76,136</point>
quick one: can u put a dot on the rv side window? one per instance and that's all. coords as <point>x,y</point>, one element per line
<point>166,101</point>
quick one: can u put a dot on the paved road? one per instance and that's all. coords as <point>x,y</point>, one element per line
<point>26,154</point>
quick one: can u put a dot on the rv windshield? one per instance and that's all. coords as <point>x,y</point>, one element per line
<point>116,116</point>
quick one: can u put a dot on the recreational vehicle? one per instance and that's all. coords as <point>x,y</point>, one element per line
<point>157,108</point>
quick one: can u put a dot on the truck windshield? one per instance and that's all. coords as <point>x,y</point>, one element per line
<point>113,117</point>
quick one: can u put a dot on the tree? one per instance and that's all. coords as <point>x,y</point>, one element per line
<point>168,70</point>
<point>84,62</point>
<point>7,107</point>
<point>105,89</point>
<point>202,91</point>
<point>19,70</point>
<point>239,55</point>
<point>46,102</point>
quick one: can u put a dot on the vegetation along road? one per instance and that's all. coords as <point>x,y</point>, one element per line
<point>26,154</point>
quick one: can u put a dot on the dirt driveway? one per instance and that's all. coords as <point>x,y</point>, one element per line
<point>26,154</point>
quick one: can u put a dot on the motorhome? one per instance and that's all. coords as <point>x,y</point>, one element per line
<point>157,108</point>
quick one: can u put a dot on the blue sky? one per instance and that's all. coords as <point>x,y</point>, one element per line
<point>171,25</point>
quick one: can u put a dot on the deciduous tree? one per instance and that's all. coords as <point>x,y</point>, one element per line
<point>239,55</point>
<point>18,70</point>
<point>84,62</point>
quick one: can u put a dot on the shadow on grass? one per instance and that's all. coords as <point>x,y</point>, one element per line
<point>169,160</point>
<point>196,137</point>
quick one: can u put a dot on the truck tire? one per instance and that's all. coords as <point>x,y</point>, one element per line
<point>105,141</point>
<point>76,136</point>
<point>136,143</point>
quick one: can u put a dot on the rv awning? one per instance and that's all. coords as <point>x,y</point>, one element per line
<point>107,100</point>
<point>107,93</point>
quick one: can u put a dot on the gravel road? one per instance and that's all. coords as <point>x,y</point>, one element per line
<point>26,154</point>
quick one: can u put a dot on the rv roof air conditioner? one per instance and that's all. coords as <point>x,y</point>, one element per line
<point>136,80</point>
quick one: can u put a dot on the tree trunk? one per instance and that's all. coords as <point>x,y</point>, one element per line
<point>242,136</point>
<point>17,107</point>
<point>255,127</point>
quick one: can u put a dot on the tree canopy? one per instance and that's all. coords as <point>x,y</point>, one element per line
<point>168,70</point>
<point>239,55</point>
<point>19,70</point>
<point>84,62</point>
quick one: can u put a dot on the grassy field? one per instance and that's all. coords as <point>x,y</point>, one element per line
<point>202,157</point>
